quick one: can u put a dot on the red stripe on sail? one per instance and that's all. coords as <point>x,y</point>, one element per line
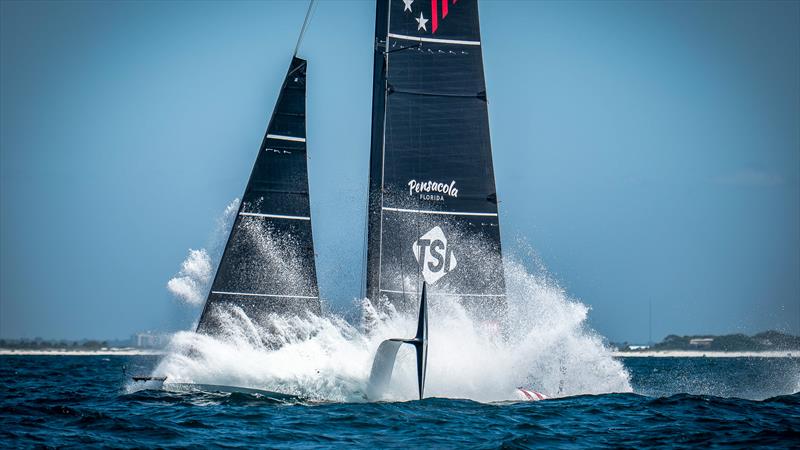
<point>435,15</point>
<point>444,9</point>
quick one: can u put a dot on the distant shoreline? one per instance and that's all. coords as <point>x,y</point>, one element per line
<point>617,354</point>
<point>66,352</point>
<point>705,354</point>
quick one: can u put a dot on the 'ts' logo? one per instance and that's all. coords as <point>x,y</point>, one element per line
<point>433,255</point>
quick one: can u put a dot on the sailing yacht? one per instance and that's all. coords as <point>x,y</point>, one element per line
<point>432,208</point>
<point>433,229</point>
<point>268,264</point>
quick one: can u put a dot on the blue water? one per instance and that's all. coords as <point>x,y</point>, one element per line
<point>680,402</point>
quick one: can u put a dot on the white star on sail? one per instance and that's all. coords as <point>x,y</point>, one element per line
<point>407,5</point>
<point>421,21</point>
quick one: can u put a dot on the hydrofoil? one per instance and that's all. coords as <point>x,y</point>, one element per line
<point>383,365</point>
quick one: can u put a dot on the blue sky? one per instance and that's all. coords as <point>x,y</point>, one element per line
<point>647,151</point>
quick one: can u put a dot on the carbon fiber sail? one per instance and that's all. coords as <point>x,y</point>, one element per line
<point>432,212</point>
<point>268,263</point>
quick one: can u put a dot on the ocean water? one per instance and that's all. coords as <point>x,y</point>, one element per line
<point>84,401</point>
<point>545,344</point>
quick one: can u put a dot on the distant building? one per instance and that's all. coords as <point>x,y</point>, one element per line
<point>701,342</point>
<point>638,347</point>
<point>146,340</point>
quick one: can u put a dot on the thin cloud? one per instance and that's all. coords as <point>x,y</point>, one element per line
<point>750,177</point>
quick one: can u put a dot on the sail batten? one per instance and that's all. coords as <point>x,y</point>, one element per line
<point>274,216</point>
<point>445,294</point>
<point>447,213</point>
<point>432,40</point>
<point>268,264</point>
<point>286,138</point>
<point>261,295</point>
<point>432,208</point>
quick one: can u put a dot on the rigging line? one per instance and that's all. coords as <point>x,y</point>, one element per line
<point>418,45</point>
<point>364,260</point>
<point>307,20</point>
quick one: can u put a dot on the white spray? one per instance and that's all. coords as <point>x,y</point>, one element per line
<point>192,282</point>
<point>548,348</point>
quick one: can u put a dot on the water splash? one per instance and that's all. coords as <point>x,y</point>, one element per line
<point>192,282</point>
<point>223,228</point>
<point>547,347</point>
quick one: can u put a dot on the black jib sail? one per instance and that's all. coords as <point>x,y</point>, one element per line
<point>432,199</point>
<point>268,262</point>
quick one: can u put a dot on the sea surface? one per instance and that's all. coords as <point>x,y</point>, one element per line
<point>82,401</point>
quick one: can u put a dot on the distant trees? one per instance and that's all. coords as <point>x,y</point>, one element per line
<point>42,344</point>
<point>768,340</point>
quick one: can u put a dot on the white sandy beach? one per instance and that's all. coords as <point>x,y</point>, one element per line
<point>705,354</point>
<point>63,352</point>
<point>617,354</point>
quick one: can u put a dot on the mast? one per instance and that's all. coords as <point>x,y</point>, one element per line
<point>268,264</point>
<point>377,140</point>
<point>432,208</point>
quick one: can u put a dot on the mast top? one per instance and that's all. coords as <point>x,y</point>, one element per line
<point>307,20</point>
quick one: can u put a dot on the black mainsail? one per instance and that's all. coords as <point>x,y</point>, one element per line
<point>432,211</point>
<point>268,264</point>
